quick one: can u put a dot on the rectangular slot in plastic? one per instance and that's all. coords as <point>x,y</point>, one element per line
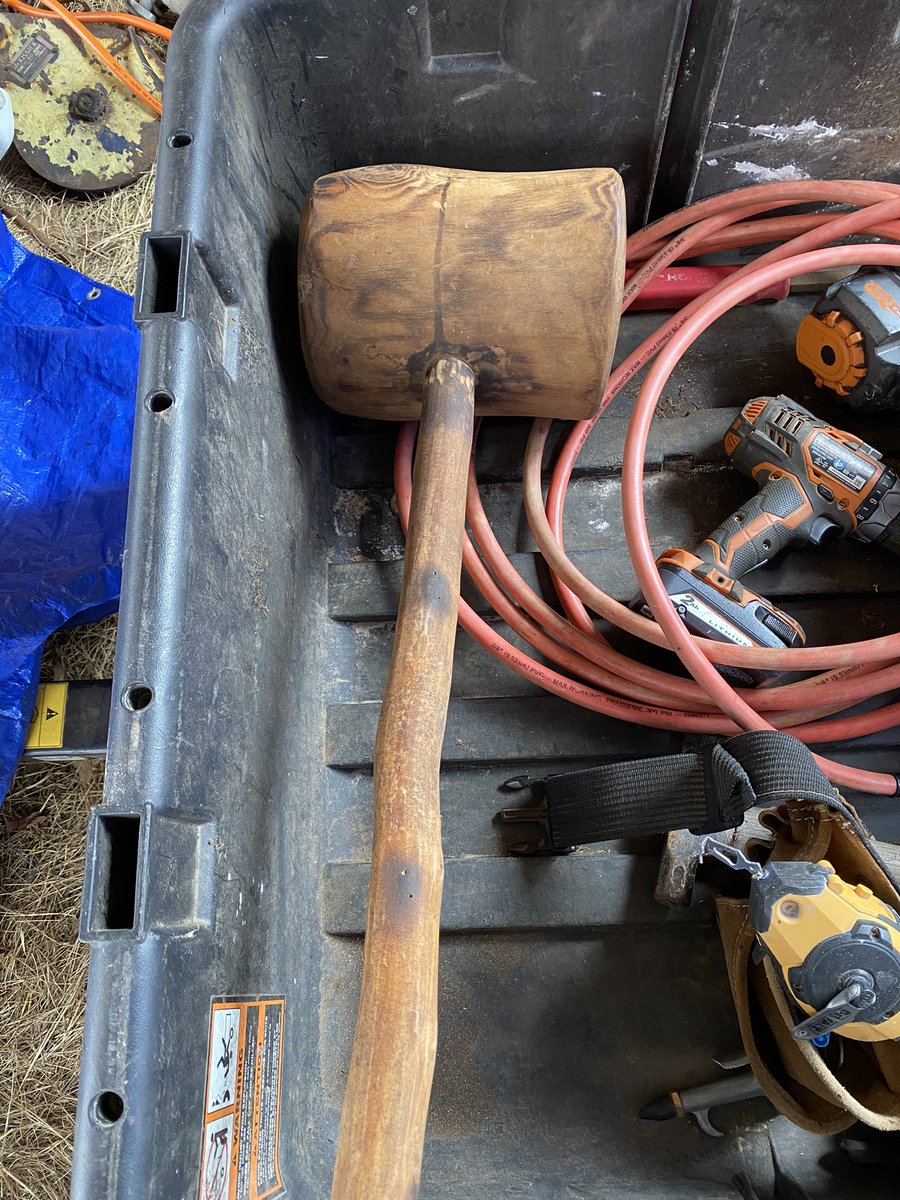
<point>116,868</point>
<point>160,284</point>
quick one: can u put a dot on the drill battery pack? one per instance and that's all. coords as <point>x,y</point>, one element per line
<point>713,605</point>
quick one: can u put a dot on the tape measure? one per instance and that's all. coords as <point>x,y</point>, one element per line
<point>851,339</point>
<point>836,945</point>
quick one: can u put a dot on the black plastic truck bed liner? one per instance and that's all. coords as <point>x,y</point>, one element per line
<point>229,861</point>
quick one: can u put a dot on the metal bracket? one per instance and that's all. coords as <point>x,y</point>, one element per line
<point>731,856</point>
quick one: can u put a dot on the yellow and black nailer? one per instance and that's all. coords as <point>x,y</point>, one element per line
<point>836,945</point>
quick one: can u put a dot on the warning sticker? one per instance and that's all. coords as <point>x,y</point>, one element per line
<point>48,717</point>
<point>239,1156</point>
<point>216,1170</point>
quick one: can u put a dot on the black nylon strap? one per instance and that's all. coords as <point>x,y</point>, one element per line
<point>782,768</point>
<point>705,791</point>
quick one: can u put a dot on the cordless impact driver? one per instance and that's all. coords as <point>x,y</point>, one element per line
<point>815,482</point>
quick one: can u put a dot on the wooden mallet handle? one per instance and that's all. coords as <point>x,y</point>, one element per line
<point>417,278</point>
<point>382,1131</point>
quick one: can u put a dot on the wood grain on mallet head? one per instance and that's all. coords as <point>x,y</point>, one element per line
<point>518,274</point>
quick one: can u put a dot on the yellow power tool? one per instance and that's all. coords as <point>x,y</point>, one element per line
<point>837,945</point>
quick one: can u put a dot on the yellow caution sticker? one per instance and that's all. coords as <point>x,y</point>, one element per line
<point>48,717</point>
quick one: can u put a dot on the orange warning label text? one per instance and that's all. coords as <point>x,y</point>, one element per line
<point>239,1155</point>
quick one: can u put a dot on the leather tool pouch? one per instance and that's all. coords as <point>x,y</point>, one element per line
<point>824,1091</point>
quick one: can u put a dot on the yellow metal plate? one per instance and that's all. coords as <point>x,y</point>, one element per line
<point>48,717</point>
<point>76,124</point>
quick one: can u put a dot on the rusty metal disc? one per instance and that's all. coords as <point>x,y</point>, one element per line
<point>76,123</point>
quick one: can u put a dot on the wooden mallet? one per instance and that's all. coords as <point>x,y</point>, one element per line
<point>431,294</point>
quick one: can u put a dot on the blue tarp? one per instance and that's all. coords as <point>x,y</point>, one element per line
<point>68,369</point>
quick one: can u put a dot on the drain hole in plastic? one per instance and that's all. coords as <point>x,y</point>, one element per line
<point>179,139</point>
<point>109,1107</point>
<point>138,696</point>
<point>159,402</point>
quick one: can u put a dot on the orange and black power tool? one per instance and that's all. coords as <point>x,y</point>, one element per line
<point>851,339</point>
<point>815,482</point>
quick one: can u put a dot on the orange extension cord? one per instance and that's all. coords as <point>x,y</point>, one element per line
<point>77,22</point>
<point>593,674</point>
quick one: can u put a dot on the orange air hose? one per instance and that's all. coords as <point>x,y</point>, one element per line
<point>617,685</point>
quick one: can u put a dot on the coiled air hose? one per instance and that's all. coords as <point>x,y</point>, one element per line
<point>590,671</point>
